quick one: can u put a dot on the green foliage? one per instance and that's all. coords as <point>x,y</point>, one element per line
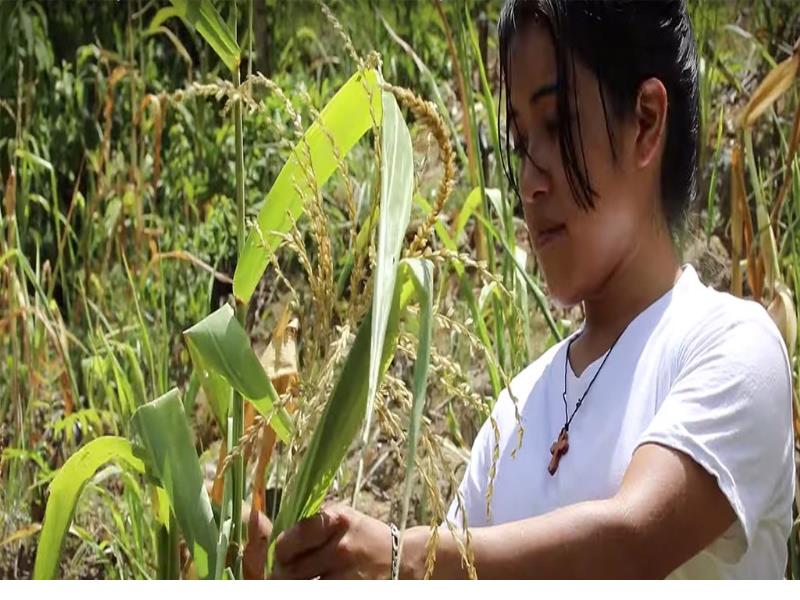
<point>347,117</point>
<point>171,460</point>
<point>65,491</point>
<point>202,15</point>
<point>345,410</point>
<point>221,349</point>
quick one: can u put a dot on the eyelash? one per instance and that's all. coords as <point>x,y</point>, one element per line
<point>551,127</point>
<point>519,148</point>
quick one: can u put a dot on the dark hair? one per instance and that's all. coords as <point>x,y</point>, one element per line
<point>623,42</point>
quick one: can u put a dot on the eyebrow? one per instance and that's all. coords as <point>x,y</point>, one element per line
<point>537,95</point>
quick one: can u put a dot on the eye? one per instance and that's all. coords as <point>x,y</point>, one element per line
<point>520,147</point>
<point>551,127</point>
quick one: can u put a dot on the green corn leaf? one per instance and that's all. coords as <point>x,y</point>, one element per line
<point>162,15</point>
<point>217,390</point>
<point>397,178</point>
<point>343,415</point>
<point>65,490</point>
<point>202,15</point>
<point>221,348</point>
<point>172,460</point>
<point>421,274</point>
<point>472,202</point>
<point>347,117</point>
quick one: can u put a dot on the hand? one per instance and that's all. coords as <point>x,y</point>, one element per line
<point>336,543</point>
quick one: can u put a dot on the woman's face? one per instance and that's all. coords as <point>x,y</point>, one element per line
<point>578,250</point>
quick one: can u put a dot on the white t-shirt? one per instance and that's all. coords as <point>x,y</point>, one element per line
<point>698,370</point>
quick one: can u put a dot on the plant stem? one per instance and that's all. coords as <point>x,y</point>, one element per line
<point>241,313</point>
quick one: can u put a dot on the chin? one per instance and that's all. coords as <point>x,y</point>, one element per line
<point>563,293</point>
<point>564,302</point>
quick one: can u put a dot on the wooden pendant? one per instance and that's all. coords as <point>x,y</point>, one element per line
<point>558,449</point>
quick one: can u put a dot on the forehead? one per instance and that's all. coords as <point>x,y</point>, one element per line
<point>531,63</point>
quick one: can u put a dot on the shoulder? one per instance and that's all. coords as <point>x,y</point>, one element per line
<point>733,330</point>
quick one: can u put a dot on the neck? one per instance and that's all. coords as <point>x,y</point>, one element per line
<point>640,278</point>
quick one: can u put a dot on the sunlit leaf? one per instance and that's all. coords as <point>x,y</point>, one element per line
<point>469,206</point>
<point>202,15</point>
<point>223,349</point>
<point>162,15</point>
<point>172,460</point>
<point>783,313</point>
<point>397,178</point>
<point>65,490</point>
<point>347,117</point>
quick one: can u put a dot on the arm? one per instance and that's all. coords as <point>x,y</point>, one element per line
<point>667,510</point>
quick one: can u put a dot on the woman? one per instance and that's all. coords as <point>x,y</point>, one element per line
<point>657,438</point>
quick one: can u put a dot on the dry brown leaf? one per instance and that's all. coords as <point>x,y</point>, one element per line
<point>249,418</point>
<point>794,140</point>
<point>219,481</point>
<point>773,87</point>
<point>24,533</point>
<point>279,359</point>
<point>783,313</point>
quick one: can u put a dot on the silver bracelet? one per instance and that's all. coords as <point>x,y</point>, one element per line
<point>395,551</point>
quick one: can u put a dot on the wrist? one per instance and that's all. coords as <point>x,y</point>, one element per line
<point>413,550</point>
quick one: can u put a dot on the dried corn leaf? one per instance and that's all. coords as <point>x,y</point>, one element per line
<point>783,313</point>
<point>774,85</point>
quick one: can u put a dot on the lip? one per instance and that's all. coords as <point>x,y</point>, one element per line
<point>545,237</point>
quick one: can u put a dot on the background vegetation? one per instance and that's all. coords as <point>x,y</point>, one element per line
<point>121,178</point>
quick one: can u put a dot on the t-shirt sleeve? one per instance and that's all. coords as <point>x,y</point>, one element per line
<point>729,409</point>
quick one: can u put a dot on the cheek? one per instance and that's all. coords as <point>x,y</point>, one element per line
<point>597,242</point>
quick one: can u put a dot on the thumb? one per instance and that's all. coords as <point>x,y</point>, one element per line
<point>254,558</point>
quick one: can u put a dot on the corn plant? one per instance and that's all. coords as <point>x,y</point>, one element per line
<point>229,370</point>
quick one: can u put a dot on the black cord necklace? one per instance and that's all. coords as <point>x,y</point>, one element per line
<point>561,445</point>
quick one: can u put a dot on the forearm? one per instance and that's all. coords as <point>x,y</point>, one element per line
<point>586,540</point>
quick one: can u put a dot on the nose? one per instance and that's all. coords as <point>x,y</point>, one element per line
<point>534,179</point>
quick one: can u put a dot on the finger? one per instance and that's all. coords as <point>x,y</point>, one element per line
<point>255,552</point>
<point>307,535</point>
<point>322,562</point>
